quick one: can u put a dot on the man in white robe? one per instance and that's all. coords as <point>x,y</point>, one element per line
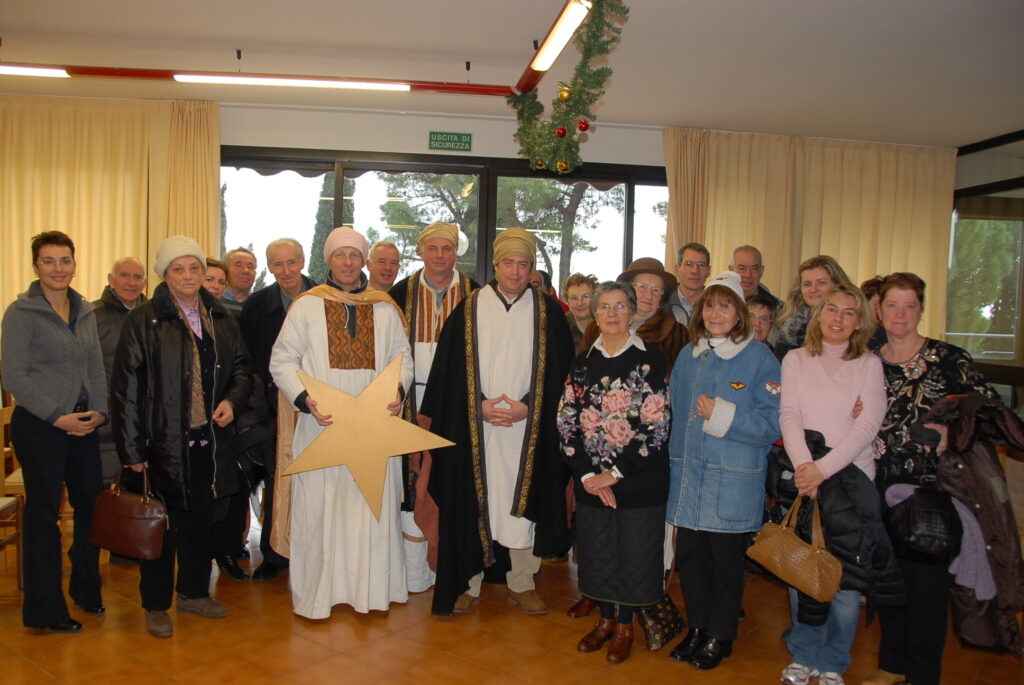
<point>340,553</point>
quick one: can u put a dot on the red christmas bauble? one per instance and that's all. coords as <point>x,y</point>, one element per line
<point>560,131</point>
<point>583,125</point>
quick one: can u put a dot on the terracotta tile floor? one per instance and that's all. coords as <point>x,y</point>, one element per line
<point>262,641</point>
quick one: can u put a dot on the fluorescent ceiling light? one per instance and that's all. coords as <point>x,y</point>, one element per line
<point>33,71</point>
<point>573,14</point>
<point>228,80</point>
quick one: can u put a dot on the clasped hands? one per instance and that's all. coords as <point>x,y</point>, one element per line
<point>79,423</point>
<point>503,416</point>
<point>600,486</point>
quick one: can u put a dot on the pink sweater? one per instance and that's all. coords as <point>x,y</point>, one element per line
<point>818,393</point>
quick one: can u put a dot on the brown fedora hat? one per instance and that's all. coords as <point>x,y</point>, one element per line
<point>650,265</point>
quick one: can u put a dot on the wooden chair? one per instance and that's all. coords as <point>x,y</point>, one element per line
<point>12,493</point>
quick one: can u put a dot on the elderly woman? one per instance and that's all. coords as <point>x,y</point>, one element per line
<point>919,371</point>
<point>577,291</point>
<point>815,278</point>
<point>725,393</point>
<point>344,335</point>
<point>180,374</point>
<point>53,366</point>
<point>821,384</point>
<point>652,284</point>
<point>614,421</point>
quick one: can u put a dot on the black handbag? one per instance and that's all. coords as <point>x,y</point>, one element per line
<point>925,527</point>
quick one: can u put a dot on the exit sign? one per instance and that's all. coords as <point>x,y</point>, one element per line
<point>444,140</point>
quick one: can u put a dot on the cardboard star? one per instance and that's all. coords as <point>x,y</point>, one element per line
<point>363,433</point>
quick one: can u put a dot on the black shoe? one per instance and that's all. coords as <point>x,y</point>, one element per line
<point>711,654</point>
<point>693,641</point>
<point>267,571</point>
<point>95,610</point>
<point>230,564</point>
<point>68,626</point>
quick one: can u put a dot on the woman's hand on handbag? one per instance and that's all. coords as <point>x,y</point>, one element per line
<point>137,468</point>
<point>223,414</point>
<point>808,477</point>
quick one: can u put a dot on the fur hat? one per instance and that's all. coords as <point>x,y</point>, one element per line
<point>174,247</point>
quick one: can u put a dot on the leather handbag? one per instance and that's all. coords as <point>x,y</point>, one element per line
<point>810,568</point>
<point>661,622</point>
<point>926,527</point>
<point>129,524</point>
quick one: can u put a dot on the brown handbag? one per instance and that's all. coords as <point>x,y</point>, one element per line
<point>129,524</point>
<point>810,568</point>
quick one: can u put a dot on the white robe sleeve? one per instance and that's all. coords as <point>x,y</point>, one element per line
<point>290,347</point>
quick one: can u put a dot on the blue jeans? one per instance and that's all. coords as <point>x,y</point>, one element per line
<point>827,647</point>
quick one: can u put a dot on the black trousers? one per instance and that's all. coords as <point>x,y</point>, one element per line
<point>914,636</point>
<point>268,516</point>
<point>187,539</point>
<point>712,572</point>
<point>50,459</point>
<point>231,525</point>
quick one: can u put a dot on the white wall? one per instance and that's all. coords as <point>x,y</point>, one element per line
<point>395,131</point>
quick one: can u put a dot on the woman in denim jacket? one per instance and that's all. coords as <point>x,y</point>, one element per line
<point>725,390</point>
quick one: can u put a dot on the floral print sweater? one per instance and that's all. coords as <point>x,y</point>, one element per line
<point>614,413</point>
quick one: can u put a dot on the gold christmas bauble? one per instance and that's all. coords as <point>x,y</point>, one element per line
<point>564,93</point>
<point>563,166</point>
<point>539,164</point>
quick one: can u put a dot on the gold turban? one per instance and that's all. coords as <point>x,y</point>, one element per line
<point>439,229</point>
<point>515,242</point>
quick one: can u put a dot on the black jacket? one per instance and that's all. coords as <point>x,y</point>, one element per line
<point>110,314</point>
<point>151,389</point>
<point>261,320</point>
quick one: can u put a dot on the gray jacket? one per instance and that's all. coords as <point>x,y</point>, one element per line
<point>46,364</point>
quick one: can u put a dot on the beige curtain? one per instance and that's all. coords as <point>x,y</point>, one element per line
<point>686,171</point>
<point>116,175</point>
<point>876,208</point>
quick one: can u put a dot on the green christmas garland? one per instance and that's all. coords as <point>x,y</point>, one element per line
<point>554,143</point>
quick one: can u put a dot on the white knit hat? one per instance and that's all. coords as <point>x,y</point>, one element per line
<point>731,280</point>
<point>174,247</point>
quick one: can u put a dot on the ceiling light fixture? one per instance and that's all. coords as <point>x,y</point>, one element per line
<point>292,82</point>
<point>46,72</point>
<point>561,32</point>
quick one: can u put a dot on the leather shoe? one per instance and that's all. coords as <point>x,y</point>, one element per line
<point>234,569</point>
<point>207,607</point>
<point>267,571</point>
<point>711,654</point>
<point>601,633</point>
<point>621,644</point>
<point>529,602</point>
<point>159,624</point>
<point>68,626</point>
<point>584,607</point>
<point>693,641</point>
<point>95,610</point>
<point>464,603</point>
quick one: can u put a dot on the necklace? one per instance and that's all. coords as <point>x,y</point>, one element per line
<point>912,357</point>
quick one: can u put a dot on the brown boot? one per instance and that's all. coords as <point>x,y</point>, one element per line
<point>582,608</point>
<point>621,644</point>
<point>601,633</point>
<point>880,677</point>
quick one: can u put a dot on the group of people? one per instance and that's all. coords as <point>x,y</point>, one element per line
<point>653,398</point>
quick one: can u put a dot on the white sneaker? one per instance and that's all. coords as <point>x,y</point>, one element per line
<point>831,678</point>
<point>798,674</point>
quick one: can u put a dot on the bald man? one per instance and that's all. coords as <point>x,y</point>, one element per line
<point>125,285</point>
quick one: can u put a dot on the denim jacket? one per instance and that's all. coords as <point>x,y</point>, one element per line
<point>717,466</point>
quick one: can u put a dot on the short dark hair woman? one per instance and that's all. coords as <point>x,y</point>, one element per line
<point>614,421</point>
<point>919,371</point>
<point>53,365</point>
<point>725,395</point>
<point>180,374</point>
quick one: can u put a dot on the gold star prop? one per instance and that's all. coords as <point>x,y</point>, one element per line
<point>363,433</point>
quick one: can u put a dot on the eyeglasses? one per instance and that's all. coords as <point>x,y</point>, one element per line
<point>644,288</point>
<point>689,264</point>
<point>619,308</point>
<point>66,262</point>
<point>579,298</point>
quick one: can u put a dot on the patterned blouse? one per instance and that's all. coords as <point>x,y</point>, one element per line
<point>912,387</point>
